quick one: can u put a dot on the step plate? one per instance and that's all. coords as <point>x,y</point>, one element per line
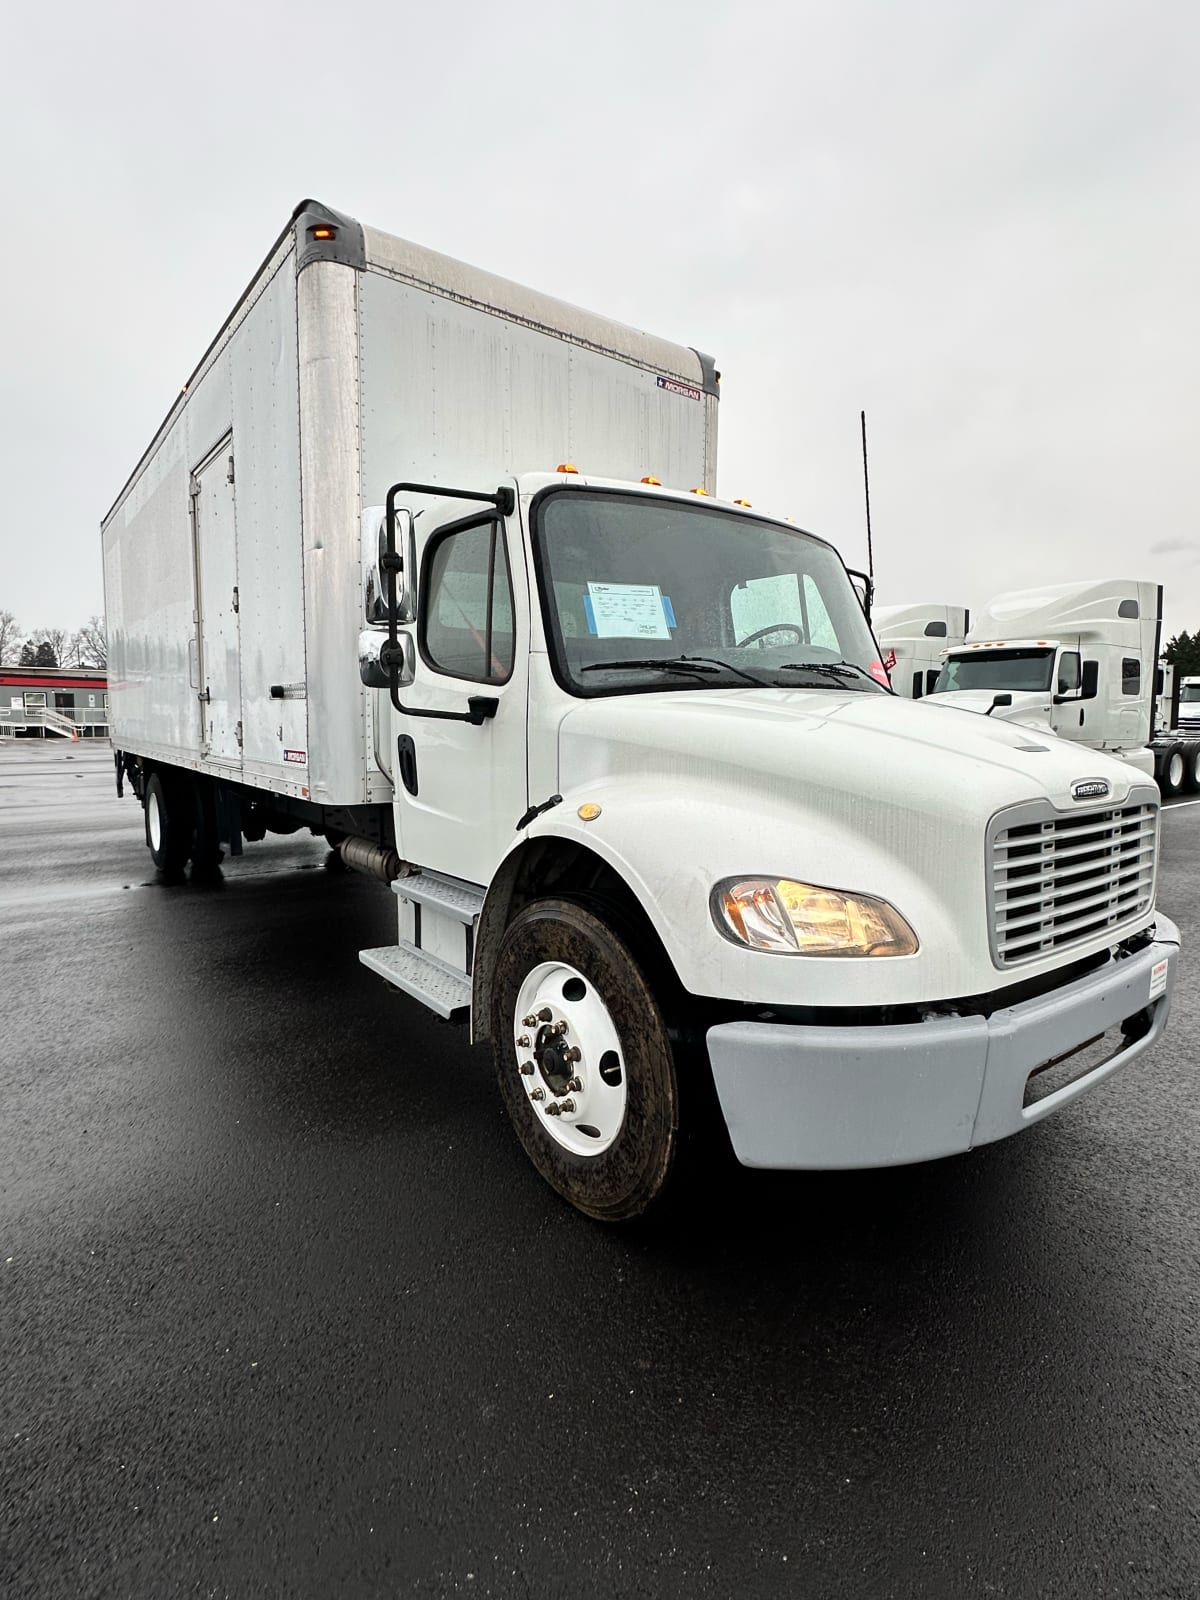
<point>457,900</point>
<point>432,982</point>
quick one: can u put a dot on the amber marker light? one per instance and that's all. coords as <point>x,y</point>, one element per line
<point>656,481</point>
<point>700,491</point>
<point>566,466</point>
<point>323,233</point>
<point>745,503</point>
<point>588,812</point>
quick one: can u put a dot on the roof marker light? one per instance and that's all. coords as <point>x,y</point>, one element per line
<point>566,466</point>
<point>700,491</point>
<point>653,480</point>
<point>745,503</point>
<point>323,233</point>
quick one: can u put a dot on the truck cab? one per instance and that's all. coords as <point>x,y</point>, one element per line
<point>914,639</point>
<point>654,799</point>
<point>1087,674</point>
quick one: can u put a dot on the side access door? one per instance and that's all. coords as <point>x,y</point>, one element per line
<point>217,670</point>
<point>460,787</point>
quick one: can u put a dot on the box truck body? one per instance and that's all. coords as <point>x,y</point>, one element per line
<point>232,558</point>
<point>433,566</point>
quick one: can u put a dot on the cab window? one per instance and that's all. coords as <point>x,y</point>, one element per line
<point>466,626</point>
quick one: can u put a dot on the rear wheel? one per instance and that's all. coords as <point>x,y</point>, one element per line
<point>1192,773</point>
<point>1171,781</point>
<point>169,822</point>
<point>585,1065</point>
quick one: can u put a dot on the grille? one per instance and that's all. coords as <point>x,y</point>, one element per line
<point>1058,880</point>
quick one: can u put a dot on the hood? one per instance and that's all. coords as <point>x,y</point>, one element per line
<point>865,792</point>
<point>839,747</point>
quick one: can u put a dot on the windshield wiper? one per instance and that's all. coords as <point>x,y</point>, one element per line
<point>706,665</point>
<point>832,669</point>
<point>644,664</point>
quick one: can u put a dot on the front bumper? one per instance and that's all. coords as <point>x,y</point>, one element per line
<point>825,1097</point>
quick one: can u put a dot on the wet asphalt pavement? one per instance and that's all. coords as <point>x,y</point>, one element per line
<point>284,1311</point>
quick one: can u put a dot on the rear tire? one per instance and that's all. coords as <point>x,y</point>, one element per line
<point>610,1153</point>
<point>1171,781</point>
<point>169,822</point>
<point>1191,781</point>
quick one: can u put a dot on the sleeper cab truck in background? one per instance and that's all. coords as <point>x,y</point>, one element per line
<point>623,754</point>
<point>914,639</point>
<point>1079,660</point>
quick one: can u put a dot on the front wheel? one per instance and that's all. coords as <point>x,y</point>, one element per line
<point>585,1066</point>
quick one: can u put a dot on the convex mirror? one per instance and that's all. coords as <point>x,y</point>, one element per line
<point>374,659</point>
<point>374,575</point>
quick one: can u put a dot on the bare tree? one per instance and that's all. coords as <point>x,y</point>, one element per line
<point>56,638</point>
<point>90,644</point>
<point>11,638</point>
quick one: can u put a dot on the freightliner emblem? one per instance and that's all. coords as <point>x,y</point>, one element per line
<point>1090,789</point>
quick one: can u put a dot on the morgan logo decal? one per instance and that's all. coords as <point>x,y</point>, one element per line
<point>673,386</point>
<point>1090,789</point>
<point>298,758</point>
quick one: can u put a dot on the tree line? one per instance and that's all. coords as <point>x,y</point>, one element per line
<point>53,647</point>
<point>1183,653</point>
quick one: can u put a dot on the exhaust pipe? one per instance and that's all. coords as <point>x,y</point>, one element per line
<point>370,858</point>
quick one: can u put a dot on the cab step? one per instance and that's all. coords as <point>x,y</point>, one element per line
<point>453,898</point>
<point>423,976</point>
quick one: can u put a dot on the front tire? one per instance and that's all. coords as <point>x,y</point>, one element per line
<point>169,822</point>
<point>597,1104</point>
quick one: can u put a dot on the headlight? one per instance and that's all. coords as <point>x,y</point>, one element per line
<point>803,919</point>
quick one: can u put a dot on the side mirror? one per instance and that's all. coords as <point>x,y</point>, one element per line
<point>863,588</point>
<point>374,567</point>
<point>1091,680</point>
<point>374,659</point>
<point>999,702</point>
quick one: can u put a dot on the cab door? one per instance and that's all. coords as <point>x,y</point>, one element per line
<point>461,788</point>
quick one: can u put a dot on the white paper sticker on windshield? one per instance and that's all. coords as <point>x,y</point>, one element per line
<point>627,611</point>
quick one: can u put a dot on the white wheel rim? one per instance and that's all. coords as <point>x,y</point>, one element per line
<point>579,1099</point>
<point>1175,769</point>
<point>154,821</point>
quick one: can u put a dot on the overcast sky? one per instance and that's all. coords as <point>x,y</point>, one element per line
<point>979,222</point>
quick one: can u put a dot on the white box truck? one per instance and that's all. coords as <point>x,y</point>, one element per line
<point>914,640</point>
<point>624,754</point>
<point>1080,660</point>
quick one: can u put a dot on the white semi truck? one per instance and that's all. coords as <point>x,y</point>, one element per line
<point>914,639</point>
<point>1080,660</point>
<point>624,754</point>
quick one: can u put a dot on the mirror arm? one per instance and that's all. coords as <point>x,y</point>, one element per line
<point>480,708</point>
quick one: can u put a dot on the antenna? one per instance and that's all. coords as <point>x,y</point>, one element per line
<point>867,494</point>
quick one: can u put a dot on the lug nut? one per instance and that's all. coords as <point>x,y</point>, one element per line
<point>573,1054</point>
<point>559,1028</point>
<point>543,1015</point>
<point>574,1085</point>
<point>530,1021</point>
<point>523,1042</point>
<point>527,1068</point>
<point>566,1105</point>
<point>554,1109</point>
<point>537,1094</point>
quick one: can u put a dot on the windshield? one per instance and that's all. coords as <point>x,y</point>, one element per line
<point>1189,693</point>
<point>647,594</point>
<point>997,669</point>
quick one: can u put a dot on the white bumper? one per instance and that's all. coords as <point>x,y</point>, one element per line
<point>822,1097</point>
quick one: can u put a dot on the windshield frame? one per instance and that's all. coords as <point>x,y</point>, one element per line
<point>667,682</point>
